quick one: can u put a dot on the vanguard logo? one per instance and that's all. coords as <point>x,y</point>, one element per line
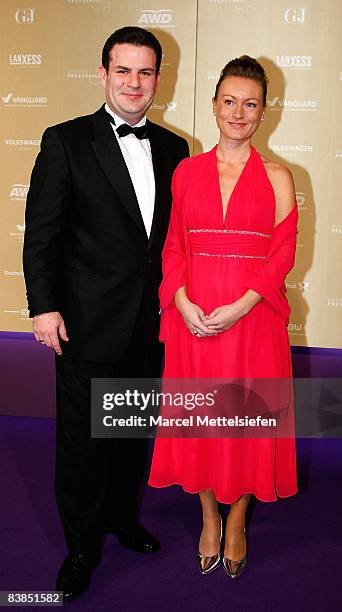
<point>11,100</point>
<point>18,191</point>
<point>24,15</point>
<point>277,104</point>
<point>19,59</point>
<point>162,18</point>
<point>294,61</point>
<point>294,15</point>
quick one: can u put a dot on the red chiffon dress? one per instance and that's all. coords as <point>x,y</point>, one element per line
<point>218,260</point>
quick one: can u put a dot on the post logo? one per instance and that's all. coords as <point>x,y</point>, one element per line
<point>294,15</point>
<point>301,285</point>
<point>161,18</point>
<point>25,15</point>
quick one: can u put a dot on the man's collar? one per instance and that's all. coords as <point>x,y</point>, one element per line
<point>119,121</point>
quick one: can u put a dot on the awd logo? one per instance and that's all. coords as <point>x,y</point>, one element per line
<point>161,18</point>
<point>24,15</point>
<point>18,192</point>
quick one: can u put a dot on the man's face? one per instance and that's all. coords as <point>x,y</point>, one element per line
<point>131,81</point>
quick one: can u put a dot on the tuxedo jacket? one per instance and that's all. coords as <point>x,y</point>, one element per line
<point>86,251</point>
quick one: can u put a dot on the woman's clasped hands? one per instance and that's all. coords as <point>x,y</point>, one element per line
<point>199,324</point>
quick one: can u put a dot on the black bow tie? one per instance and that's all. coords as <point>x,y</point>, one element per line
<point>140,132</point>
<point>124,129</point>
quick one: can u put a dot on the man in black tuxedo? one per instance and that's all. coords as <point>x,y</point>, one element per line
<point>96,219</point>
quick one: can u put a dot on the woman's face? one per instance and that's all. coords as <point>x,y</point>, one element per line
<point>238,108</point>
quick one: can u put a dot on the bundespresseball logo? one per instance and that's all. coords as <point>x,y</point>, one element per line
<point>295,62</point>
<point>294,15</point>
<point>161,18</point>
<point>25,15</point>
<point>335,302</point>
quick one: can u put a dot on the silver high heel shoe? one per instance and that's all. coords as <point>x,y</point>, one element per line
<point>208,564</point>
<point>234,569</point>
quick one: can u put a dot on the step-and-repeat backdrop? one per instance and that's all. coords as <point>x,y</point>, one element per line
<point>51,50</point>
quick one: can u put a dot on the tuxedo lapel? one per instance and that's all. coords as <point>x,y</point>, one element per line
<point>111,160</point>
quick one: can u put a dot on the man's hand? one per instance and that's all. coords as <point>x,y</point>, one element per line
<point>193,315</point>
<point>48,328</point>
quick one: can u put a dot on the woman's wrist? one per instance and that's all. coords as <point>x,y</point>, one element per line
<point>247,302</point>
<point>180,297</point>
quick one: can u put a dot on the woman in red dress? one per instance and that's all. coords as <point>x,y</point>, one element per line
<point>231,242</point>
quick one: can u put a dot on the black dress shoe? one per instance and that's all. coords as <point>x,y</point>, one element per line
<point>75,574</point>
<point>135,537</point>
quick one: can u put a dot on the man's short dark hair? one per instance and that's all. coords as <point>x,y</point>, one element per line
<point>132,35</point>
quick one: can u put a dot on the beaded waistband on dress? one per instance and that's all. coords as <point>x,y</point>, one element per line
<point>228,231</point>
<point>229,243</point>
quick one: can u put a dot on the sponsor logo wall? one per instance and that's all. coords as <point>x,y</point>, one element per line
<point>51,54</point>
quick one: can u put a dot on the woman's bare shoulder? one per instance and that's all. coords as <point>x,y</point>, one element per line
<point>278,173</point>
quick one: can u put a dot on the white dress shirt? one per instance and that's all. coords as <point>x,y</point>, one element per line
<point>138,157</point>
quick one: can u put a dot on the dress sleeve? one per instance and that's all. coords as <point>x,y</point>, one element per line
<point>269,279</point>
<point>174,251</point>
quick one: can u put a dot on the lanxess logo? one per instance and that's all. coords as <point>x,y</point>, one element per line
<point>296,62</point>
<point>25,59</point>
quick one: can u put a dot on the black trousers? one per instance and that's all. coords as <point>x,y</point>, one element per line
<point>98,480</point>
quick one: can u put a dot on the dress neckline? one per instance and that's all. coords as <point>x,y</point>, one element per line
<point>241,175</point>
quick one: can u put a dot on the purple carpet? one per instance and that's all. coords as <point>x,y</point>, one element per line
<point>295,544</point>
